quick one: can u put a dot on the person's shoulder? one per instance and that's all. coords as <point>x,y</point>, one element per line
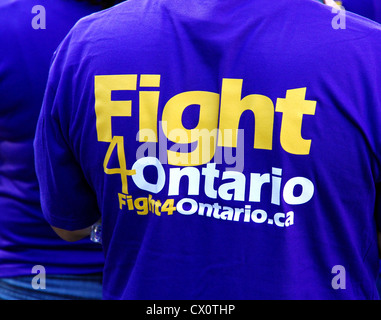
<point>336,24</point>
<point>317,11</point>
<point>106,18</point>
<point>358,21</point>
<point>106,25</point>
<point>362,31</point>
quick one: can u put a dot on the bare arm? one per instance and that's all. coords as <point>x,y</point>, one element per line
<point>72,236</point>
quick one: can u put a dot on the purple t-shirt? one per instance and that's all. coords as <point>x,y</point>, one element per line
<point>30,32</point>
<point>228,153</point>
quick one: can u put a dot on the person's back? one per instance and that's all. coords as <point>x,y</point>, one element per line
<point>285,212</point>
<point>29,34</point>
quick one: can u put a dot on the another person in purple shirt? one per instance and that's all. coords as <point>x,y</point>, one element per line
<point>34,262</point>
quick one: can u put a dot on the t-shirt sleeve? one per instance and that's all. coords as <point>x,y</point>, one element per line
<point>67,199</point>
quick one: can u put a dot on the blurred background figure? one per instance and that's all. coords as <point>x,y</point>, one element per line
<point>368,8</point>
<point>331,3</point>
<point>30,31</point>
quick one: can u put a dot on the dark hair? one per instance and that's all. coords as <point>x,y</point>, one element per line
<point>104,3</point>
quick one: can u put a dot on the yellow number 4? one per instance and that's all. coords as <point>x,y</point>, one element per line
<point>118,142</point>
